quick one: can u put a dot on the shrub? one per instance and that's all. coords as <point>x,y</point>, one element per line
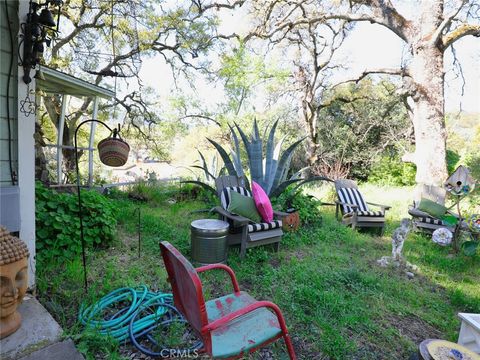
<point>392,171</point>
<point>308,206</point>
<point>58,225</point>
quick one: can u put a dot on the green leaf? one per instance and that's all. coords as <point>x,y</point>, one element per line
<point>450,220</point>
<point>226,159</point>
<point>470,247</point>
<point>202,184</point>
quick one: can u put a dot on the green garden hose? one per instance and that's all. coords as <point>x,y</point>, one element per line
<point>107,319</point>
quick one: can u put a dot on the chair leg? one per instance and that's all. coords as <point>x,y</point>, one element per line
<point>243,244</point>
<point>276,246</point>
<point>291,351</point>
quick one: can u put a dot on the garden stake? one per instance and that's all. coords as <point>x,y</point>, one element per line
<point>139,229</point>
<point>80,214</point>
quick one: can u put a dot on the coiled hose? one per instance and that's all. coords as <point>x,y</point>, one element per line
<point>145,312</point>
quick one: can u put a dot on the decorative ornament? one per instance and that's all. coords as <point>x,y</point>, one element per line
<point>473,223</point>
<point>442,237</point>
<point>27,106</point>
<point>13,281</point>
<point>460,182</point>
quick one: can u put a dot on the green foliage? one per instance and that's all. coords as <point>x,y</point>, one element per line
<point>452,160</point>
<point>392,171</point>
<point>308,206</point>
<point>361,121</point>
<point>58,225</point>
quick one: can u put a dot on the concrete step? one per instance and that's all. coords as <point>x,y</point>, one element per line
<point>38,329</point>
<point>59,351</point>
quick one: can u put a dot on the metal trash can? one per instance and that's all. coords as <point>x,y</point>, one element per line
<point>209,241</point>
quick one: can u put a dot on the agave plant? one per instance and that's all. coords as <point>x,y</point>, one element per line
<point>269,170</point>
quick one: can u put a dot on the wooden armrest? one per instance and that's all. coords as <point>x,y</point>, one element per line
<point>353,206</point>
<point>328,204</point>
<point>280,213</point>
<point>386,207</point>
<point>237,218</point>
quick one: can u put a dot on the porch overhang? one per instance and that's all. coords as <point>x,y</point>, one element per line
<point>57,82</point>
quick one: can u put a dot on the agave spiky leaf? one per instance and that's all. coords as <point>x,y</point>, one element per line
<point>236,156</point>
<point>306,181</point>
<point>269,155</point>
<point>200,183</point>
<point>205,167</point>
<point>254,152</point>
<point>284,163</point>
<point>207,172</point>
<point>273,170</point>
<point>281,188</point>
<point>226,159</point>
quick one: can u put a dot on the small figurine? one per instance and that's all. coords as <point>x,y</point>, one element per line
<point>398,238</point>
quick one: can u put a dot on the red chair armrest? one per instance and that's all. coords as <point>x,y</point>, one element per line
<point>226,268</point>
<point>236,314</point>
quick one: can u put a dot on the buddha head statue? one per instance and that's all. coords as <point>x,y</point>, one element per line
<point>13,280</point>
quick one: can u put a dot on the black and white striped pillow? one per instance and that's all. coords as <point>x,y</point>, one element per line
<point>352,196</point>
<point>225,195</point>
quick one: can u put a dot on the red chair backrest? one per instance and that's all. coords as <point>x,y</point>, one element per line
<point>186,287</point>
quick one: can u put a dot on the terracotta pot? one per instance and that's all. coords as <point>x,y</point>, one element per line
<point>291,222</point>
<point>13,281</point>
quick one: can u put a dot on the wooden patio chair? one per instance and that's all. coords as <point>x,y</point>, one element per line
<point>354,209</point>
<point>230,326</point>
<point>423,221</point>
<point>243,231</point>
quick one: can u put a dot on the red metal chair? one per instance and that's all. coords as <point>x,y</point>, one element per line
<point>230,326</point>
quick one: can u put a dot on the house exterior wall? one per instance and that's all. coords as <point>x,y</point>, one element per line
<point>17,197</point>
<point>5,58</point>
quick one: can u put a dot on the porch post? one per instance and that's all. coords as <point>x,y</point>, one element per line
<point>61,123</point>
<point>91,142</point>
<point>26,163</point>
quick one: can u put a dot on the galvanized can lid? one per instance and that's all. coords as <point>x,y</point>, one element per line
<point>210,226</point>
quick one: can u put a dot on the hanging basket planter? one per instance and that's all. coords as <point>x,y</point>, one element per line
<point>113,151</point>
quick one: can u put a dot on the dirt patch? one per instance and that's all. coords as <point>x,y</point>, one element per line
<point>306,350</point>
<point>413,328</point>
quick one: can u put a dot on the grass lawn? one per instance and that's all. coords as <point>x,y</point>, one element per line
<point>337,302</point>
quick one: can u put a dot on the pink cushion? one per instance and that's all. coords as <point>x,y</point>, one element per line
<point>262,202</point>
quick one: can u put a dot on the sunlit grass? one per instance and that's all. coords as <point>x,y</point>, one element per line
<point>337,302</point>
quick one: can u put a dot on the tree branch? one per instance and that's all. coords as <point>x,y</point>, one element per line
<point>388,71</point>
<point>437,35</point>
<point>458,33</point>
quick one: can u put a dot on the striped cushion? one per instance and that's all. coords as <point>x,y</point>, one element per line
<point>370,213</point>
<point>225,196</point>
<point>367,213</point>
<point>430,220</point>
<point>265,226</point>
<point>352,196</point>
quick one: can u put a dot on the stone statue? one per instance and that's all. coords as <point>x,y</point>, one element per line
<point>398,238</point>
<point>13,281</point>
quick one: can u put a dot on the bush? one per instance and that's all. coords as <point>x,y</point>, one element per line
<point>58,225</point>
<point>392,171</point>
<point>308,206</point>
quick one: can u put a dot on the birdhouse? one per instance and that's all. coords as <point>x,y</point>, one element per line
<point>460,182</point>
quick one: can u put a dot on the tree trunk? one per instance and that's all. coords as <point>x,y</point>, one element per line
<point>427,72</point>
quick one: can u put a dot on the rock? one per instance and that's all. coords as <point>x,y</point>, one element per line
<point>384,261</point>
<point>409,274</point>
